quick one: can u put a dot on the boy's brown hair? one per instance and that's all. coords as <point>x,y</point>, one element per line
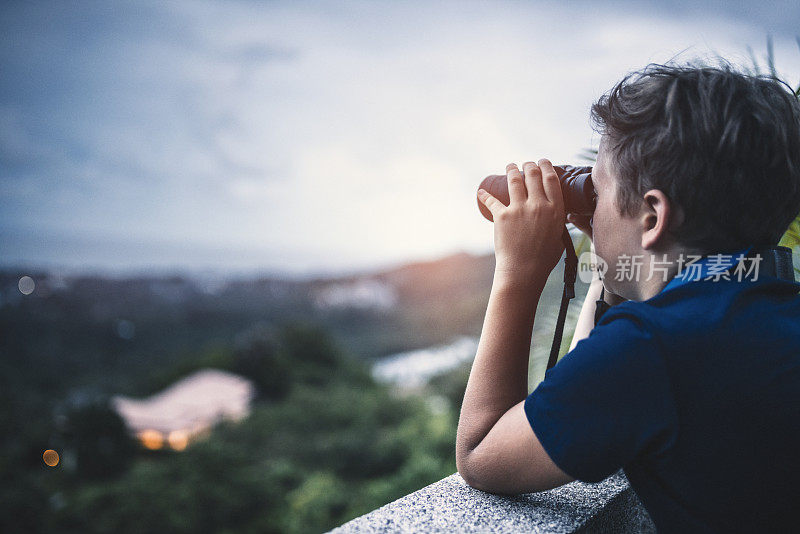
<point>723,145</point>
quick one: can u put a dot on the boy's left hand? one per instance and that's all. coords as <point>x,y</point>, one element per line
<point>527,232</point>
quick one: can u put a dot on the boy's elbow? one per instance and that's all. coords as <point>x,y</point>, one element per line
<point>474,474</point>
<point>482,474</point>
<point>465,469</point>
<point>471,479</point>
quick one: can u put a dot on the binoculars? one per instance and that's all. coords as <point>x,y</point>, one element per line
<point>576,188</point>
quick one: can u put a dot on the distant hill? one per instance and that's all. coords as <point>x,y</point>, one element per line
<point>124,326</point>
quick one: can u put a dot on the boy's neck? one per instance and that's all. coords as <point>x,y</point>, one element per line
<point>665,264</point>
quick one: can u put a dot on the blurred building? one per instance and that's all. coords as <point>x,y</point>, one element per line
<point>360,293</point>
<point>187,409</point>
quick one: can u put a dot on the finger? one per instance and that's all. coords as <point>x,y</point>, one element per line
<point>533,180</point>
<point>516,184</point>
<point>491,203</point>
<point>551,183</point>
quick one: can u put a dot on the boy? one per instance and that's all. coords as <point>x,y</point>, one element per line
<point>692,386</point>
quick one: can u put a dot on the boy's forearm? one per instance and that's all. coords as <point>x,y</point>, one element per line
<point>586,318</point>
<point>585,322</point>
<point>499,376</point>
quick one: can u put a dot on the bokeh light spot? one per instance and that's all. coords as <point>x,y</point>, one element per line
<point>178,439</point>
<point>151,439</point>
<point>125,329</point>
<point>50,457</point>
<point>26,285</point>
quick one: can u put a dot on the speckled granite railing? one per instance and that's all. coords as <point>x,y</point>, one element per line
<point>451,506</point>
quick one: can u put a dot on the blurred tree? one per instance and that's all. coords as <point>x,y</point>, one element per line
<point>260,357</point>
<point>452,385</point>
<point>306,463</point>
<point>95,435</point>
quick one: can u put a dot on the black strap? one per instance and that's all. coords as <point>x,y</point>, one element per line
<point>570,275</point>
<point>777,262</point>
<point>601,306</point>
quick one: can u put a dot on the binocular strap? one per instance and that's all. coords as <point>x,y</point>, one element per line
<point>601,306</point>
<point>570,275</point>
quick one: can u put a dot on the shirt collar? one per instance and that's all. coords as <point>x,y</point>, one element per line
<point>712,266</point>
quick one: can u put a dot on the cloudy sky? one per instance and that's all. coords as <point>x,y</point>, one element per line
<point>308,137</point>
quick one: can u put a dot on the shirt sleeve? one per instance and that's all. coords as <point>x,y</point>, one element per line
<point>607,401</point>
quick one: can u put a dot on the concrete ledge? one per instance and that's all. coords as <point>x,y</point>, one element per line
<point>450,505</point>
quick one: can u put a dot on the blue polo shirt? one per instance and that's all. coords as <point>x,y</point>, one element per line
<point>695,394</point>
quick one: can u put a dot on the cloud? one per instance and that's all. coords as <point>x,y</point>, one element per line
<point>357,130</point>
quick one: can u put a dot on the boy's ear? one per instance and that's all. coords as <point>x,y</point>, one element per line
<point>657,216</point>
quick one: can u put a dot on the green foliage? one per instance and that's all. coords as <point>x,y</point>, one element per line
<point>278,358</point>
<point>96,437</point>
<point>263,360</point>
<point>163,377</point>
<point>791,239</point>
<point>306,464</point>
<point>452,385</point>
